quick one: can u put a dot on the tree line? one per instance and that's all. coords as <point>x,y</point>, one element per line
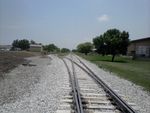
<point>24,44</point>
<point>113,42</point>
<point>54,48</point>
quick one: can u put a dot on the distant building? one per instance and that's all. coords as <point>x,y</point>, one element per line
<point>5,47</point>
<point>140,47</point>
<point>36,48</point>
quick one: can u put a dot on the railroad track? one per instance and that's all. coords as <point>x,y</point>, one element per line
<point>87,93</point>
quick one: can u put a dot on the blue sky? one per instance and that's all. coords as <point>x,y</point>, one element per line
<point>67,23</point>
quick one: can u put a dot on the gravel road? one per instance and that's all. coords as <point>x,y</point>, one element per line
<point>132,92</point>
<point>33,89</point>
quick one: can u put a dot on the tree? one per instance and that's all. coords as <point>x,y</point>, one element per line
<point>112,42</point>
<point>116,42</point>
<point>74,50</point>
<point>32,42</point>
<point>22,44</point>
<point>85,47</point>
<point>125,42</point>
<point>15,43</point>
<point>65,50</point>
<point>99,44</point>
<point>51,48</point>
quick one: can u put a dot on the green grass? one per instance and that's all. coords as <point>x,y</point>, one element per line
<point>137,71</point>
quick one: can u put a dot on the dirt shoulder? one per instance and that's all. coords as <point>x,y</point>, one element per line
<point>34,89</point>
<point>11,59</point>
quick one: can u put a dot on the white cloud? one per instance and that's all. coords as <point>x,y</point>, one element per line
<point>103,18</point>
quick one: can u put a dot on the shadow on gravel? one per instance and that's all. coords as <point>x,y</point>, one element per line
<point>11,59</point>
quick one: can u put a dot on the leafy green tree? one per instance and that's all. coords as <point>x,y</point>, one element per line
<point>100,45</point>
<point>65,50</point>
<point>74,50</point>
<point>15,43</point>
<point>51,48</point>
<point>32,42</point>
<point>112,42</point>
<point>85,47</point>
<point>22,44</point>
<point>124,43</point>
<point>116,42</point>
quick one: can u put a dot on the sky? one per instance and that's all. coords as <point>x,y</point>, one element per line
<point>66,23</point>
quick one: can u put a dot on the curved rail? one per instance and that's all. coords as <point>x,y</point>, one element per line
<point>122,105</point>
<point>75,89</point>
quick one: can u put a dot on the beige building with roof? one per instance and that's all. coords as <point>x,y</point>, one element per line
<point>36,48</point>
<point>140,47</point>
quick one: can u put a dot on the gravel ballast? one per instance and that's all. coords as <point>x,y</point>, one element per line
<point>133,92</point>
<point>38,87</point>
<point>35,88</point>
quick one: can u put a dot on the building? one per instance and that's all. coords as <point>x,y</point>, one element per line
<point>36,48</point>
<point>140,47</point>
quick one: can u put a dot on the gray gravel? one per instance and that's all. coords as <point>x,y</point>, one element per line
<point>33,89</point>
<point>38,89</point>
<point>133,92</point>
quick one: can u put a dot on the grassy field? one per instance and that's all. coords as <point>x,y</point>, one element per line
<point>137,71</point>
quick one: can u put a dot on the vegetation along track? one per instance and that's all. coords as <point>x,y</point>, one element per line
<point>88,93</point>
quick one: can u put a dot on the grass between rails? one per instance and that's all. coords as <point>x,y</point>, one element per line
<point>137,71</point>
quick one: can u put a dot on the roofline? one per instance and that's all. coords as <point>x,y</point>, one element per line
<point>36,45</point>
<point>141,39</point>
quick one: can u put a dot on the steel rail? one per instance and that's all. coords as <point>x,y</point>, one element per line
<point>75,88</point>
<point>122,105</point>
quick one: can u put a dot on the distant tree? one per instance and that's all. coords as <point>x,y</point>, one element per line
<point>15,43</point>
<point>58,49</point>
<point>51,48</point>
<point>65,50</point>
<point>22,44</point>
<point>85,47</point>
<point>116,42</point>
<point>32,42</point>
<point>112,42</point>
<point>99,44</point>
<point>74,50</point>
<point>124,42</point>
